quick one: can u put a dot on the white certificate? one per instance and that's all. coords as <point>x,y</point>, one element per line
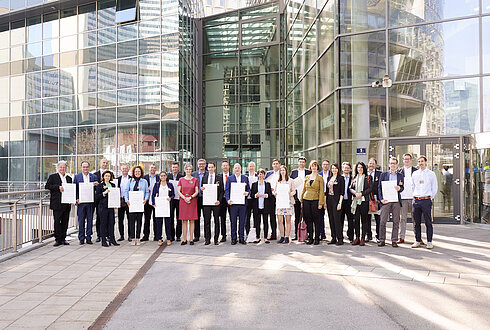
<point>68,196</point>
<point>86,192</point>
<point>299,183</point>
<point>114,198</point>
<point>175,184</point>
<point>136,201</point>
<point>282,197</point>
<point>162,207</point>
<point>210,194</point>
<point>407,192</point>
<point>389,192</point>
<point>236,193</point>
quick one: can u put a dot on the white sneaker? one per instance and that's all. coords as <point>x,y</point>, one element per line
<point>429,245</point>
<point>416,245</point>
<point>137,241</point>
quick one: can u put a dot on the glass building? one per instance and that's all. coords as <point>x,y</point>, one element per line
<point>150,81</point>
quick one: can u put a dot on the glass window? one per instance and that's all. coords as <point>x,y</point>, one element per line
<point>68,21</point>
<point>107,99</point>
<point>149,94</point>
<point>149,45</point>
<point>127,96</point>
<point>34,49</point>
<point>149,28</point>
<point>68,103</point>
<point>86,117</point>
<point>68,118</point>
<point>87,17</point>
<point>127,73</point>
<point>170,93</point>
<point>149,69</point>
<point>362,113</point>
<point>18,32</point>
<point>50,142</point>
<point>50,120</point>
<point>106,75</point>
<point>361,15</point>
<point>34,29</point>
<point>106,116</point>
<point>51,28</point>
<point>326,26</point>
<point>309,87</point>
<point>86,140</point>
<point>33,142</point>
<point>219,66</point>
<point>149,137</point>
<point>106,13</point>
<point>68,81</point>
<point>362,58</point>
<point>126,9</point>
<point>68,43</point>
<point>260,60</point>
<point>259,88</point>
<point>107,52</point>
<point>486,104</point>
<point>16,144</point>
<point>33,121</point>
<point>310,128</point>
<point>106,36</point>
<point>33,85</point>
<point>486,42</point>
<point>106,137</point>
<point>50,62</point>
<point>88,39</point>
<point>127,140</point>
<point>50,83</point>
<point>326,124</point>
<point>128,48</point>
<point>435,108</point>
<point>258,32</point>
<point>376,149</point>
<point>50,105</point>
<point>433,51</point>
<point>214,41</point>
<point>125,114</point>
<point>258,11</point>
<point>149,112</point>
<point>51,46</point>
<point>326,73</point>
<point>33,169</point>
<point>87,78</point>
<point>127,32</point>
<point>68,140</point>
<point>16,169</point>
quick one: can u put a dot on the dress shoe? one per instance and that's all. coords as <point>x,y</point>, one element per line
<point>266,241</point>
<point>89,242</point>
<point>242,241</point>
<point>332,242</point>
<point>363,242</point>
<point>356,241</point>
<point>104,244</point>
<point>172,239</point>
<point>272,238</point>
<point>178,239</point>
<point>286,240</point>
<point>183,243</point>
<point>422,242</point>
<point>207,242</point>
<point>144,239</point>
<point>368,239</point>
<point>295,238</point>
<point>309,241</point>
<point>339,243</point>
<point>223,239</point>
<point>113,242</point>
<point>97,240</point>
<point>316,242</point>
<point>191,243</point>
<point>195,240</point>
<point>400,241</point>
<point>121,239</point>
<point>65,243</point>
<point>155,239</point>
<point>257,241</point>
<point>233,241</point>
<point>56,244</point>
<point>381,243</point>
<point>323,237</point>
<point>281,240</point>
<point>82,242</point>
<point>130,239</point>
<point>394,244</point>
<point>216,243</point>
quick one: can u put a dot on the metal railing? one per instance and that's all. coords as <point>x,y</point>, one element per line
<point>25,218</point>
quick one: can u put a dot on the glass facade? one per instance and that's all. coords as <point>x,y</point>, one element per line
<point>77,86</point>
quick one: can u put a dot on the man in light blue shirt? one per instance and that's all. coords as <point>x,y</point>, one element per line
<point>424,190</point>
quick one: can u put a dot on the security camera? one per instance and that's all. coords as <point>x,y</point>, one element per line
<point>376,84</point>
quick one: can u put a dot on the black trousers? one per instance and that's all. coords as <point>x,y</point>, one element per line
<point>361,216</point>
<point>120,217</point>
<point>273,219</point>
<point>97,220</point>
<point>135,219</point>
<point>377,219</point>
<point>346,211</point>
<point>322,222</point>
<point>224,208</point>
<point>149,214</point>
<point>175,231</point>
<point>197,223</point>
<point>336,223</point>
<point>297,216</point>
<point>265,222</point>
<point>249,215</point>
<point>207,210</point>
<point>61,218</point>
<point>311,215</point>
<point>106,223</point>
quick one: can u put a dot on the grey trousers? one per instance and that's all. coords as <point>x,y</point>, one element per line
<point>406,206</point>
<point>386,209</point>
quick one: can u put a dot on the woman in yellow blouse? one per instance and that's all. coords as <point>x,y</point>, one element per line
<point>312,199</point>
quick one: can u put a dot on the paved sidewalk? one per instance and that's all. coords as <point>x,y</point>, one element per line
<point>299,286</point>
<point>66,287</point>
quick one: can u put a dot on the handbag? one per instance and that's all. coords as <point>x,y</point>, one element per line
<point>302,231</point>
<point>373,203</point>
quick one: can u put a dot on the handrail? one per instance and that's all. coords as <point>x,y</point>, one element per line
<point>23,192</point>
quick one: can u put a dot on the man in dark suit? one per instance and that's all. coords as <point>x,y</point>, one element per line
<point>61,212</point>
<point>387,207</point>
<point>347,201</point>
<point>104,165</point>
<point>199,174</point>
<point>375,174</point>
<point>300,172</point>
<point>407,195</point>
<point>237,210</point>
<point>173,178</point>
<point>272,177</point>
<point>224,207</point>
<point>122,183</point>
<point>325,173</point>
<point>152,178</point>
<point>85,210</point>
<point>211,177</point>
<point>252,177</point>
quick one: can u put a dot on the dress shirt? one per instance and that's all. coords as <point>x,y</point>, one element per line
<point>200,174</point>
<point>211,178</point>
<point>371,173</point>
<point>86,178</point>
<point>261,190</point>
<point>63,178</point>
<point>225,177</point>
<point>424,183</point>
<point>153,180</point>
<point>325,181</point>
<point>301,174</point>
<point>238,178</point>
<point>174,176</point>
<point>124,184</point>
<point>346,196</point>
<point>393,177</point>
<point>408,171</point>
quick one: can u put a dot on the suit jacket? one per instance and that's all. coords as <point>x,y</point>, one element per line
<point>119,180</point>
<point>231,179</point>
<point>147,178</point>
<point>170,176</point>
<point>347,182</point>
<point>156,191</point>
<point>98,174</point>
<point>385,176</point>
<point>368,187</point>
<point>217,180</point>
<point>223,200</point>
<point>268,205</point>
<point>250,184</point>
<point>79,179</point>
<point>53,185</point>
<point>294,175</point>
<point>338,188</point>
<point>402,170</point>
<point>100,198</point>
<point>375,182</point>
<point>195,174</point>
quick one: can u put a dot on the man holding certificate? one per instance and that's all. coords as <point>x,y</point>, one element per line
<point>212,193</point>
<point>85,183</point>
<point>407,195</point>
<point>389,189</point>
<point>236,191</point>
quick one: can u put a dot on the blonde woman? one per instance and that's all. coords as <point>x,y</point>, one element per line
<point>312,200</point>
<point>188,189</point>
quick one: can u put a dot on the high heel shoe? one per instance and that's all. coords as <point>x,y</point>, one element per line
<point>104,244</point>
<point>183,243</point>
<point>113,242</point>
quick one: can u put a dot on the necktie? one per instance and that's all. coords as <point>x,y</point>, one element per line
<point>137,183</point>
<point>211,181</point>
<point>226,177</point>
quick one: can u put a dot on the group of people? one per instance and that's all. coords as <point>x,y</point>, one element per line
<point>312,192</point>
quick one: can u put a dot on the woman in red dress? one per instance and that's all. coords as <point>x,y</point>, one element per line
<point>188,190</point>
